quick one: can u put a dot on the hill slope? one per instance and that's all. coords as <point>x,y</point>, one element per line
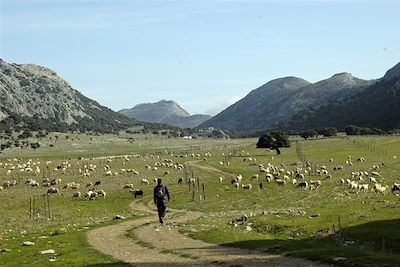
<point>279,99</point>
<point>165,112</point>
<point>35,96</point>
<point>377,106</point>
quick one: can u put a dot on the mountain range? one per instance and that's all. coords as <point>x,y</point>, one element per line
<point>375,106</point>
<point>164,112</point>
<point>278,100</point>
<point>38,98</point>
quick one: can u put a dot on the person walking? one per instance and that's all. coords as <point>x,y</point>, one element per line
<point>161,195</point>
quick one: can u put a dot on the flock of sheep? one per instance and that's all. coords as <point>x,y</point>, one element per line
<point>363,180</point>
<point>360,181</point>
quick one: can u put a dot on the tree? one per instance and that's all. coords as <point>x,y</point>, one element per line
<point>274,140</point>
<point>308,134</point>
<point>327,131</point>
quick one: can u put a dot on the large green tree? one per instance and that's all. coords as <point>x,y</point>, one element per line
<point>274,141</point>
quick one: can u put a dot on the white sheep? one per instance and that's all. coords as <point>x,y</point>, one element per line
<point>314,185</point>
<point>373,180</point>
<point>247,186</point>
<point>144,181</point>
<point>128,186</point>
<point>102,193</point>
<point>221,179</point>
<point>380,189</point>
<point>254,177</point>
<point>294,181</point>
<point>236,185</point>
<point>280,182</point>
<point>363,187</point>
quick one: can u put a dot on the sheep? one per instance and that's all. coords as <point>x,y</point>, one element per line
<point>314,185</point>
<point>302,185</point>
<point>363,187</point>
<point>144,181</point>
<point>376,174</point>
<point>137,193</point>
<point>361,159</point>
<point>89,184</point>
<point>239,178</point>
<point>372,180</point>
<point>255,176</point>
<point>108,173</point>
<point>247,186</point>
<point>353,185</point>
<point>300,176</point>
<point>97,183</point>
<point>329,176</point>
<point>380,189</point>
<point>102,193</point>
<point>166,173</point>
<point>342,181</point>
<point>76,195</point>
<point>280,182</point>
<point>93,196</point>
<point>221,179</point>
<point>180,180</point>
<point>236,185</point>
<point>395,188</point>
<point>53,190</point>
<point>88,194</point>
<point>128,186</point>
<point>294,181</point>
<point>261,185</point>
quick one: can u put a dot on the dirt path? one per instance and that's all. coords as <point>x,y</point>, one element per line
<point>156,245</point>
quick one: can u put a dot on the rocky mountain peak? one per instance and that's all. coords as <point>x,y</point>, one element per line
<point>393,73</point>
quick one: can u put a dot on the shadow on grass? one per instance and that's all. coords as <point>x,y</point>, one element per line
<point>374,243</point>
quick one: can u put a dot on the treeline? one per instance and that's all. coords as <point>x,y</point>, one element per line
<point>99,123</point>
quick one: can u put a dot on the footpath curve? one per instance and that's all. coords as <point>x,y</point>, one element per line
<point>156,245</point>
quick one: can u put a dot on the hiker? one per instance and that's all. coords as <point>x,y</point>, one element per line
<point>161,194</point>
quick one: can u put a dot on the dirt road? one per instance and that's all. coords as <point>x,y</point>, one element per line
<point>156,245</point>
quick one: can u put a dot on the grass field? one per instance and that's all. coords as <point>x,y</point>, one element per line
<point>333,221</point>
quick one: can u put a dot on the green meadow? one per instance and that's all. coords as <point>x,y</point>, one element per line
<point>334,224</point>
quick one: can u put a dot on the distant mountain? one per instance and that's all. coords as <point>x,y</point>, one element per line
<point>277,100</point>
<point>35,97</point>
<point>165,112</point>
<point>377,106</point>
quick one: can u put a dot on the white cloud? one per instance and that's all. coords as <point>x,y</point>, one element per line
<point>222,105</point>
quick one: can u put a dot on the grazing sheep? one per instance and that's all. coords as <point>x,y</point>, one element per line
<point>137,193</point>
<point>353,185</point>
<point>97,183</point>
<point>314,185</point>
<point>380,189</point>
<point>88,194</point>
<point>1,188</point>
<point>373,180</point>
<point>395,188</point>
<point>255,176</point>
<point>53,190</point>
<point>76,195</point>
<point>144,181</point>
<point>102,193</point>
<point>280,182</point>
<point>329,176</point>
<point>363,187</point>
<point>236,185</point>
<point>221,179</point>
<point>302,185</point>
<point>247,186</point>
<point>342,181</point>
<point>93,196</point>
<point>89,184</point>
<point>376,174</point>
<point>294,181</point>
<point>128,186</point>
<point>166,173</point>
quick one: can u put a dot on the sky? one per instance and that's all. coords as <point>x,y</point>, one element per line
<point>205,55</point>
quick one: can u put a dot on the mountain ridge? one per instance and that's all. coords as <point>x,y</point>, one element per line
<point>165,112</point>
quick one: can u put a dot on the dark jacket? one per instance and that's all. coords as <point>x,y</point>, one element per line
<point>165,195</point>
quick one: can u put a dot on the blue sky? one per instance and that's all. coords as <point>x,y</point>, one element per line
<point>203,54</point>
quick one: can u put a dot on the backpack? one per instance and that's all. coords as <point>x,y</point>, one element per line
<point>160,193</point>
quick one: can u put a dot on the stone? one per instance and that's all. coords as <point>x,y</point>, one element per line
<point>49,251</point>
<point>28,243</point>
